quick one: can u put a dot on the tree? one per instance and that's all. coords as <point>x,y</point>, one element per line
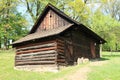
<point>11,23</point>
<point>35,7</point>
<point>105,26</point>
<point>112,7</point>
<point>79,12</point>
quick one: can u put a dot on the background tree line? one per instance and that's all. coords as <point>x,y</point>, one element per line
<point>101,16</point>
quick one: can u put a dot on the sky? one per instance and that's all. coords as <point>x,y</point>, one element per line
<point>22,9</point>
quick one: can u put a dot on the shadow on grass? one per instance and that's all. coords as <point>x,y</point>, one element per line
<point>107,57</point>
<point>113,55</point>
<point>103,59</point>
<point>99,59</point>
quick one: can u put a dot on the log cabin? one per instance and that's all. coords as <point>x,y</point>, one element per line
<point>55,40</point>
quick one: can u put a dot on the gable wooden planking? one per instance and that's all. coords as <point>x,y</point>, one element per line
<point>52,20</point>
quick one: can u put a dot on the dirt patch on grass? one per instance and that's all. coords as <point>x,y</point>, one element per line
<point>81,74</point>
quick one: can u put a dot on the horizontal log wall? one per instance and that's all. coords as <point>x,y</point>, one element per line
<point>43,53</point>
<point>61,52</point>
<point>35,43</point>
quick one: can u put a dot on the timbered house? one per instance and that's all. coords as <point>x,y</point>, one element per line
<point>56,40</point>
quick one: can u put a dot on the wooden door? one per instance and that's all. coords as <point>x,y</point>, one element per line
<point>92,45</point>
<point>69,53</point>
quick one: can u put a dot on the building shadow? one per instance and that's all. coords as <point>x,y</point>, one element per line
<point>99,59</point>
<point>112,55</point>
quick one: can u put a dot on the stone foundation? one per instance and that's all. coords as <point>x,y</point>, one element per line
<point>82,60</point>
<point>38,68</point>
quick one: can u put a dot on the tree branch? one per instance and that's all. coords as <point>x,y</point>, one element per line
<point>30,10</point>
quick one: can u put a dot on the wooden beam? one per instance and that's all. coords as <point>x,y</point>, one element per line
<point>60,41</point>
<point>36,50</point>
<point>45,42</point>
<point>38,46</point>
<point>60,47</point>
<point>36,59</point>
<point>34,62</point>
<point>38,56</point>
<point>59,50</point>
<point>37,53</point>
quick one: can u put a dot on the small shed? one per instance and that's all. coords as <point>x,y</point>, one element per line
<point>55,40</point>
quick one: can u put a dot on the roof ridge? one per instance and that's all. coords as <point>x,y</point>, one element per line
<point>58,11</point>
<point>63,14</point>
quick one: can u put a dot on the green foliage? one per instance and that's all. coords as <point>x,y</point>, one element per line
<point>104,20</point>
<point>105,26</point>
<point>80,12</point>
<point>35,7</point>
<point>112,7</point>
<point>12,24</point>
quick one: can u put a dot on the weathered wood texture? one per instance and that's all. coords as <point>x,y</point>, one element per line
<point>61,52</point>
<point>69,48</point>
<point>42,53</point>
<point>52,20</point>
<point>64,50</point>
<point>84,46</point>
<point>97,50</point>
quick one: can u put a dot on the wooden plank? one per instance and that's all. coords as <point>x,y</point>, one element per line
<point>37,56</point>
<point>45,62</point>
<point>49,55</point>
<point>62,64</point>
<point>60,40</point>
<point>50,41</point>
<point>60,47</point>
<point>61,57</point>
<point>48,64</point>
<point>60,44</point>
<point>38,46</point>
<point>60,53</point>
<point>60,60</point>
<point>33,60</point>
<point>59,50</point>
<point>47,20</point>
<point>36,50</point>
<point>36,59</point>
<point>35,53</point>
<point>51,22</point>
<point>54,20</point>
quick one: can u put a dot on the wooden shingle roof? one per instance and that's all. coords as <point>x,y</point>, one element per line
<point>43,34</point>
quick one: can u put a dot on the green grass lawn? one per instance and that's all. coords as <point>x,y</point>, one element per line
<point>7,71</point>
<point>108,71</point>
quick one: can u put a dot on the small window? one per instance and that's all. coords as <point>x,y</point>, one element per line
<point>50,16</point>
